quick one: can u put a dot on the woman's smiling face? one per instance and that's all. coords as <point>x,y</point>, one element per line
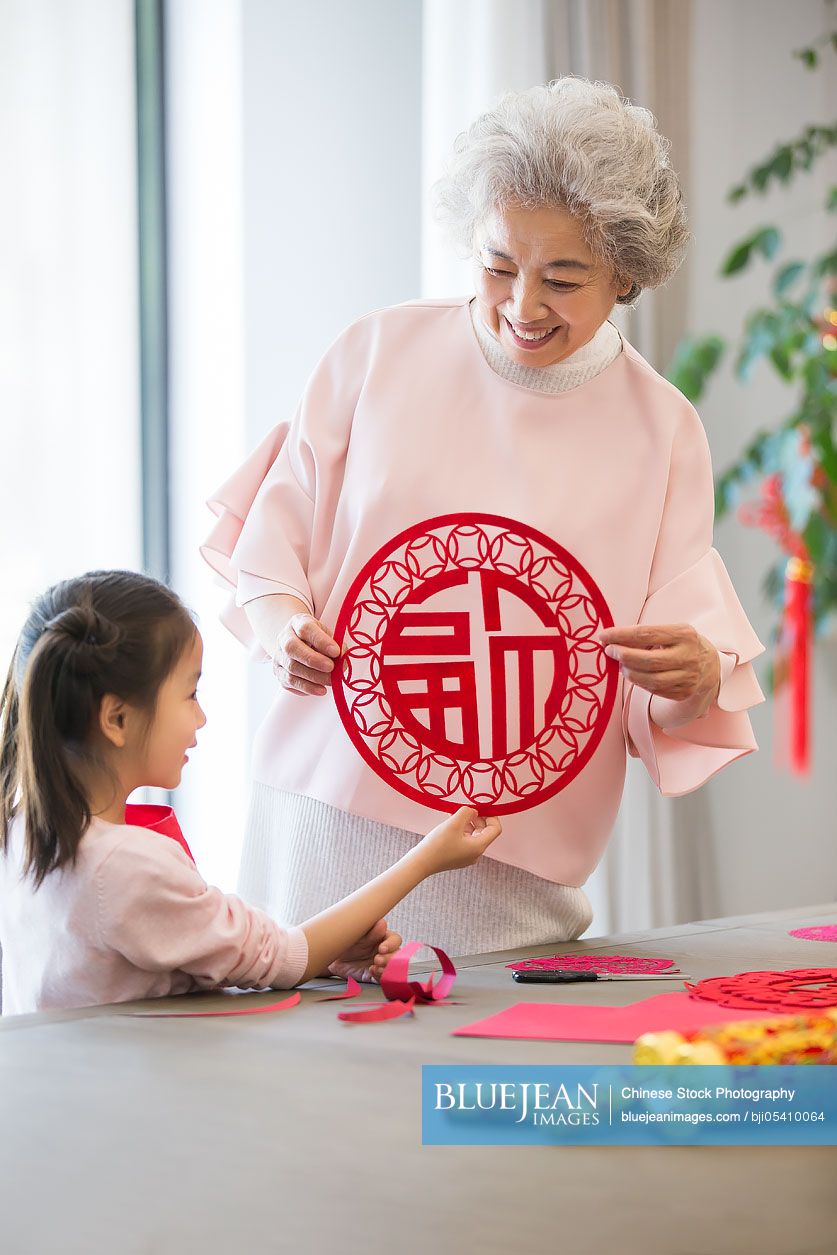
<point>535,276</point>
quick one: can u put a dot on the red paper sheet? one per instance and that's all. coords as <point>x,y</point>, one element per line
<point>551,1021</point>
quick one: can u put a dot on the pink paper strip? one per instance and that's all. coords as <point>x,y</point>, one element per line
<point>395,980</point>
<point>383,1011</point>
<point>351,991</point>
<point>196,1015</point>
<point>550,1021</point>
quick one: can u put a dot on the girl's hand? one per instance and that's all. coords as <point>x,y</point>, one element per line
<point>459,840</point>
<point>367,958</point>
<point>672,661</point>
<point>305,656</point>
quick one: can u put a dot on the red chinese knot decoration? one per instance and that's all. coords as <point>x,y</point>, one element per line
<point>470,672</point>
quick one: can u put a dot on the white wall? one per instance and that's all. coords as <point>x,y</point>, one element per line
<point>331,188</point>
<point>69,376</point>
<point>768,840</point>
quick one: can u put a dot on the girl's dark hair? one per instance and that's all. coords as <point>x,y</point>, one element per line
<point>112,632</point>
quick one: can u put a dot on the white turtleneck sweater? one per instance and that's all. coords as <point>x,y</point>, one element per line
<point>491,906</point>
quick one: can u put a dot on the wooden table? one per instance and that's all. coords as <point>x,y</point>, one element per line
<point>297,1132</point>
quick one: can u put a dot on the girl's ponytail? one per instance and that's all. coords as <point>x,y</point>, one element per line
<point>111,632</point>
<point>9,718</point>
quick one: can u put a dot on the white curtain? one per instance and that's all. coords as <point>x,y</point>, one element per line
<point>69,366</point>
<point>652,875</point>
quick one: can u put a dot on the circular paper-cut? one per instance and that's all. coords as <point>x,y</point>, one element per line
<point>807,988</point>
<point>819,932</point>
<point>470,673</point>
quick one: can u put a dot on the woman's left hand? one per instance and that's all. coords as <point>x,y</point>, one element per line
<point>367,958</point>
<point>671,660</point>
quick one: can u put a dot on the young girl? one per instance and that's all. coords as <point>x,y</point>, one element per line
<point>100,700</point>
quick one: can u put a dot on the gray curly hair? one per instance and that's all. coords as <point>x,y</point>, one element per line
<point>581,146</point>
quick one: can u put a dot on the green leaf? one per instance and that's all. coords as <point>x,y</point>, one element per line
<point>768,241</point>
<point>738,258</point>
<point>788,276</point>
<point>783,163</point>
<point>826,265</point>
<point>781,359</point>
<point>693,363</point>
<point>831,200</point>
<point>808,57</point>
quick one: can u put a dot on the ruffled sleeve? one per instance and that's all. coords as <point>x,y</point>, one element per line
<point>231,504</point>
<point>271,511</point>
<point>690,584</point>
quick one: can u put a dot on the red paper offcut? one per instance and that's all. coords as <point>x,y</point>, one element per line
<point>821,932</point>
<point>382,1011</point>
<point>196,1015</point>
<point>771,991</point>
<point>616,963</point>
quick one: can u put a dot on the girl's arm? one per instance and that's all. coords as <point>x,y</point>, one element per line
<point>154,908</point>
<point>456,842</point>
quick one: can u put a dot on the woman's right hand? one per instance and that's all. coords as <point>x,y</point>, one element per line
<point>305,656</point>
<point>459,840</point>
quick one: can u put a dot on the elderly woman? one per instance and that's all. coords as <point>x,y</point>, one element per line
<point>502,515</point>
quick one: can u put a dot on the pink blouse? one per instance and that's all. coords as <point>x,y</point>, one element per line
<point>402,421</point>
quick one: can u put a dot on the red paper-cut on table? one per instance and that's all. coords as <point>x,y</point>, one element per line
<point>805,989</point>
<point>820,932</point>
<point>470,672</point>
<point>618,964</point>
<point>556,1021</point>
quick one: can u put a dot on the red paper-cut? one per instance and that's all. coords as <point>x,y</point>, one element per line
<point>821,932</point>
<point>557,1021</point>
<point>770,991</point>
<point>179,1015</point>
<point>616,963</point>
<point>160,819</point>
<point>450,705</point>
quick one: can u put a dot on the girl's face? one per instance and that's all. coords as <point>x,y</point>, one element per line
<point>539,288</point>
<point>162,754</point>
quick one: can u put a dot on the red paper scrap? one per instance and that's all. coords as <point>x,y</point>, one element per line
<point>395,980</point>
<point>174,1015</point>
<point>383,1011</point>
<point>551,1021</point>
<point>805,988</point>
<point>351,991</point>
<point>822,932</point>
<point>616,963</point>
